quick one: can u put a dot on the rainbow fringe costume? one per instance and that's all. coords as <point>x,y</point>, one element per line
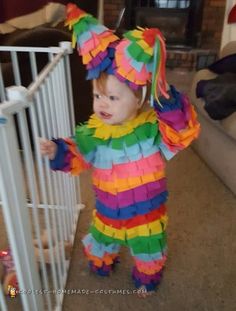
<point>129,183</point>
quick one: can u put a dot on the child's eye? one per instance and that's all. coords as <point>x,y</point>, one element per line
<point>112,98</point>
<point>97,96</point>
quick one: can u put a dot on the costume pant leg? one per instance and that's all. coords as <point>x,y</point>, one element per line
<point>148,271</point>
<point>102,258</point>
<point>149,254</point>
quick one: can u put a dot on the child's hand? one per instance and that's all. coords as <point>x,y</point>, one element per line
<point>47,148</point>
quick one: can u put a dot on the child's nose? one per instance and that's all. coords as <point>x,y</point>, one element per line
<point>104,102</point>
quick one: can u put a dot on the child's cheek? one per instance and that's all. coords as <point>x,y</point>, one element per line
<point>95,106</point>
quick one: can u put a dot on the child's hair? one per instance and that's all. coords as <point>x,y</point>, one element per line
<point>101,85</point>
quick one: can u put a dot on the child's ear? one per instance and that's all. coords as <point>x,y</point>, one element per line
<point>140,103</point>
<point>144,95</point>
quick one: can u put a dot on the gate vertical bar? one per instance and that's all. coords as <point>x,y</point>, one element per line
<point>2,88</point>
<point>16,216</point>
<point>49,102</point>
<point>3,306</point>
<point>27,153</point>
<point>68,81</point>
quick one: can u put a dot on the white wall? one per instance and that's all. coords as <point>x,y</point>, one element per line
<point>229,30</point>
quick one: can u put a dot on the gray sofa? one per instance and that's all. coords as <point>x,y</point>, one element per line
<point>217,142</point>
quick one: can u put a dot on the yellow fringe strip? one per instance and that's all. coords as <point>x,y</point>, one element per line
<point>105,131</point>
<point>153,228</point>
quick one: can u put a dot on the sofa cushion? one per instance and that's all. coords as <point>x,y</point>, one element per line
<point>227,125</point>
<point>219,95</point>
<point>225,64</point>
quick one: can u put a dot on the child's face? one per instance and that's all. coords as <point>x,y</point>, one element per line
<point>116,104</point>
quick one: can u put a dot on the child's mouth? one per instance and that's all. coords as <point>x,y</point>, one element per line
<point>105,115</point>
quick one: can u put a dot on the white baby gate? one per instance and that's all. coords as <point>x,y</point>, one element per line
<point>40,207</point>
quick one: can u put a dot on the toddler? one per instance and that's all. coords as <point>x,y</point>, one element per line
<point>126,143</point>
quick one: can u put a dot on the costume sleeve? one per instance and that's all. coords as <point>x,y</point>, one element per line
<point>177,123</point>
<point>68,157</point>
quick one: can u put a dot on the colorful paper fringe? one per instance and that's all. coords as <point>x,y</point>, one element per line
<point>129,183</point>
<point>94,41</point>
<point>150,283</point>
<point>141,58</point>
<point>123,199</point>
<point>138,59</point>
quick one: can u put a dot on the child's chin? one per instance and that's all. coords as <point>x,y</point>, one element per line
<point>110,122</point>
<point>114,122</point>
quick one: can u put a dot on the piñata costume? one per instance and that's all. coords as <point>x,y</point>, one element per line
<point>127,160</point>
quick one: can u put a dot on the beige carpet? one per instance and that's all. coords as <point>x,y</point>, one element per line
<point>200,273</point>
